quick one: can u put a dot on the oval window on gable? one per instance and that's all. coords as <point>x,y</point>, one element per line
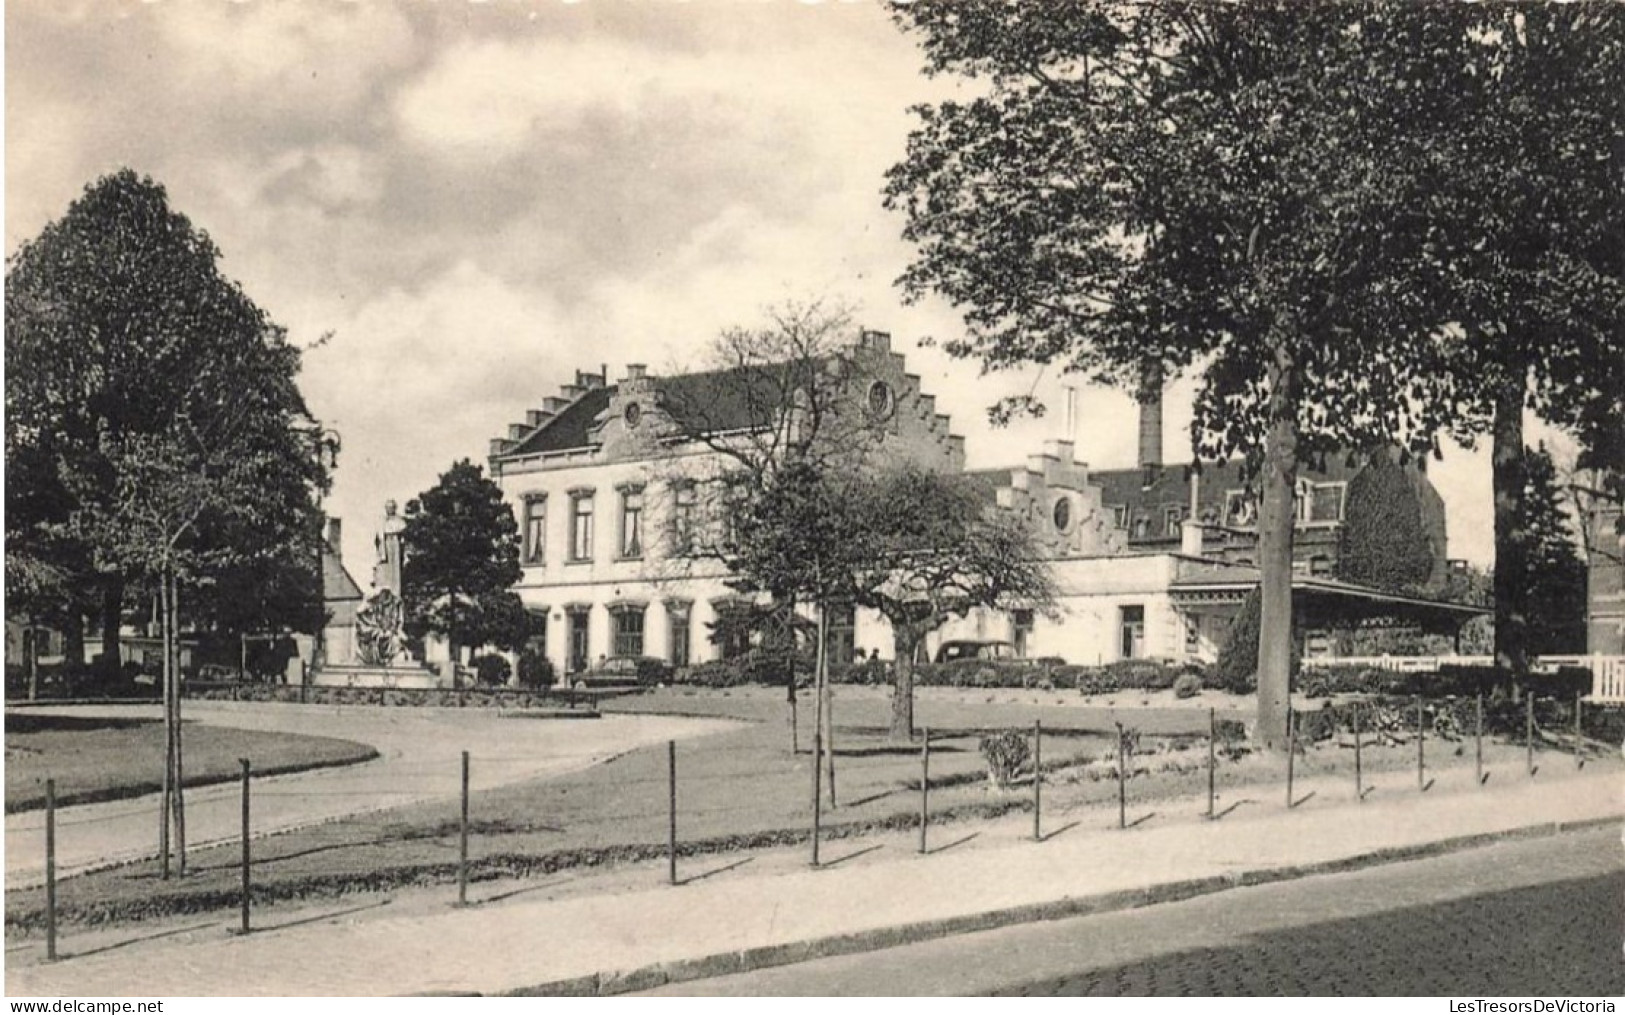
<point>632,413</point>
<point>1063,514</point>
<point>881,399</point>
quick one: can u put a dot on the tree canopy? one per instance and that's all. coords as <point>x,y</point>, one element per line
<point>154,423</point>
<point>1271,196</point>
<point>460,561</point>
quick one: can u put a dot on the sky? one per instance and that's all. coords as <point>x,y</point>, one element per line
<point>476,199</point>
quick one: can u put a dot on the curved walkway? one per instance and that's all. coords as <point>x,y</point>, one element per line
<point>419,759</point>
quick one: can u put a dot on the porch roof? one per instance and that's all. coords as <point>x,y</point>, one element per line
<point>1325,602</point>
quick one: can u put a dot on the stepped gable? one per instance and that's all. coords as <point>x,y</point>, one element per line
<point>591,414</point>
<point>560,424</point>
<point>1056,494</point>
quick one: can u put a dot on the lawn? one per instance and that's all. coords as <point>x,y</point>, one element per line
<point>111,758</point>
<point>739,789</point>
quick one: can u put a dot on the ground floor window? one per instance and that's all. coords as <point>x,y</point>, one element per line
<point>1131,641</point>
<point>628,630</point>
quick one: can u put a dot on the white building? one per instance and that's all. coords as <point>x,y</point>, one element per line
<point>607,480</point>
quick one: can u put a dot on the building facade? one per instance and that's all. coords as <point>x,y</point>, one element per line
<point>607,479</point>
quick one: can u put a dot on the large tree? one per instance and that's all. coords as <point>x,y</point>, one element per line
<point>1148,188</point>
<point>1553,579</point>
<point>1528,197</point>
<point>461,559</point>
<point>121,328</point>
<point>154,427</point>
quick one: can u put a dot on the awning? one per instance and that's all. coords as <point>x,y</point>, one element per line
<point>1325,602</point>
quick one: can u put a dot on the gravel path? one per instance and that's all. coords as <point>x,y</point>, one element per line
<point>419,759</point>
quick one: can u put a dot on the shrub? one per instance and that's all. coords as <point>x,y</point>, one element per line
<point>535,669</point>
<point>653,670</point>
<point>1006,754</point>
<point>1188,685</point>
<point>491,670</point>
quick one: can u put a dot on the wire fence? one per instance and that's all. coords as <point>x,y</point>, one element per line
<point>676,802</point>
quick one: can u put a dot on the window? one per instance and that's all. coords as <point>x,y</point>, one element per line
<point>632,522</point>
<point>535,547</point>
<point>678,614</point>
<point>581,525</point>
<point>1320,566</point>
<point>684,515</point>
<point>1326,502</point>
<point>578,646</point>
<point>1120,516</point>
<point>1172,516</point>
<point>628,630</point>
<point>1063,513</point>
<point>1193,634</point>
<point>1240,511</point>
<point>881,400</point>
<point>1131,641</point>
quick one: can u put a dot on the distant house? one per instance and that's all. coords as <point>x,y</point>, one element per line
<point>342,598</point>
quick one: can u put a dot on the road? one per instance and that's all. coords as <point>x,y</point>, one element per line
<point>1542,917</point>
<point>419,759</point>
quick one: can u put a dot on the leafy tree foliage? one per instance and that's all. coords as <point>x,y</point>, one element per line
<point>1551,591</point>
<point>1527,199</point>
<point>1290,201</point>
<point>154,424</point>
<point>461,558</point>
<point>929,548</point>
<point>1204,187</point>
<point>1384,544</point>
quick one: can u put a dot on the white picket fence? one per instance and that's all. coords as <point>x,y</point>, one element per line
<point>1607,672</point>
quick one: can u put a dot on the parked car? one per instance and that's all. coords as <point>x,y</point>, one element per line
<point>623,672</point>
<point>971,648</point>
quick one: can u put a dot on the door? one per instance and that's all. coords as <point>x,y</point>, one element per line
<point>578,641</point>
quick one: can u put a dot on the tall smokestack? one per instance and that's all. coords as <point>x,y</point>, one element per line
<point>1150,399</point>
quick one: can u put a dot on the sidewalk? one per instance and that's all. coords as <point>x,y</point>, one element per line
<point>612,942</point>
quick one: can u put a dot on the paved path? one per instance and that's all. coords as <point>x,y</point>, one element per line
<point>523,941</point>
<point>419,759</point>
<point>1535,917</point>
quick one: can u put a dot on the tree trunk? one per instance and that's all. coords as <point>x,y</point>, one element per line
<point>904,641</point>
<point>1275,532</point>
<point>166,802</point>
<point>826,702</point>
<point>790,697</point>
<point>1507,478</point>
<point>32,641</point>
<point>73,639</point>
<point>172,636</point>
<point>112,613</point>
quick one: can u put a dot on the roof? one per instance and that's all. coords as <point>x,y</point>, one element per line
<point>713,401</point>
<point>337,585</point>
<point>1323,599</point>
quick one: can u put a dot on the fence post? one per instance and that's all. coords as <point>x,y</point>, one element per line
<point>671,800</point>
<point>1579,742</point>
<point>1038,779</point>
<point>925,784</point>
<point>1359,783</point>
<point>246,855</point>
<point>50,870</point>
<point>1421,740</point>
<point>1529,731</point>
<point>817,784</point>
<point>1122,776</point>
<point>1212,733</point>
<point>462,842</point>
<point>1478,738</point>
<point>1291,752</point>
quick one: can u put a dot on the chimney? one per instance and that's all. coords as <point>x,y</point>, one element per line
<point>1150,399</point>
<point>335,532</point>
<point>635,371</point>
<point>536,417</point>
